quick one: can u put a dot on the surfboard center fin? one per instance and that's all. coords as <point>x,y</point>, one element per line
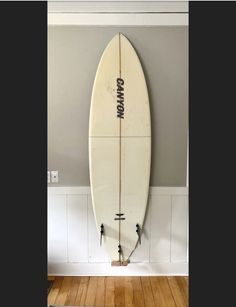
<point>138,233</point>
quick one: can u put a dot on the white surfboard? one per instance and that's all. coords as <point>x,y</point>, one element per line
<point>119,148</point>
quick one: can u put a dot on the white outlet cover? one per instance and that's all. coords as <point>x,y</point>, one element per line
<point>49,177</point>
<point>54,176</point>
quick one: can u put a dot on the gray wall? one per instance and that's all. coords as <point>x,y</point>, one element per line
<point>73,56</point>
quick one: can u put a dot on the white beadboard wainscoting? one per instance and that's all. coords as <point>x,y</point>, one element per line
<point>73,241</point>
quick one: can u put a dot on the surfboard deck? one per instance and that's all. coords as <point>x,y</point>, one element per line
<point>119,148</point>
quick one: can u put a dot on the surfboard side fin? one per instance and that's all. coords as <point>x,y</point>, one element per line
<point>138,231</point>
<point>101,233</point>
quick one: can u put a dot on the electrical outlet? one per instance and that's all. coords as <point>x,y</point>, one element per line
<point>54,176</point>
<point>49,177</point>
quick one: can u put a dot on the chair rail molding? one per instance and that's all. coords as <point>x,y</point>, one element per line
<point>118,13</point>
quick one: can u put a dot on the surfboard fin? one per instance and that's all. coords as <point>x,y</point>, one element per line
<point>138,233</point>
<point>101,233</point>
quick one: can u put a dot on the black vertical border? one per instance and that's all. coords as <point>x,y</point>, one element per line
<point>23,128</point>
<point>212,118</point>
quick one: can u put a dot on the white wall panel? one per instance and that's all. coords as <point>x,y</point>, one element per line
<point>57,229</point>
<point>160,228</point>
<point>77,228</point>
<point>73,237</point>
<point>179,228</point>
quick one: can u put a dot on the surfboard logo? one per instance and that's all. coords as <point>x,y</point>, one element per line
<point>120,98</point>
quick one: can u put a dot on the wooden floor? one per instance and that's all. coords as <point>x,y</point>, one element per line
<point>119,291</point>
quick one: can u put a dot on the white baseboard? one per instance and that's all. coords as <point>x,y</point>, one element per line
<point>105,269</point>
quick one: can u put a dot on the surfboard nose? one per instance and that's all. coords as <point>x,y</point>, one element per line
<point>120,36</point>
